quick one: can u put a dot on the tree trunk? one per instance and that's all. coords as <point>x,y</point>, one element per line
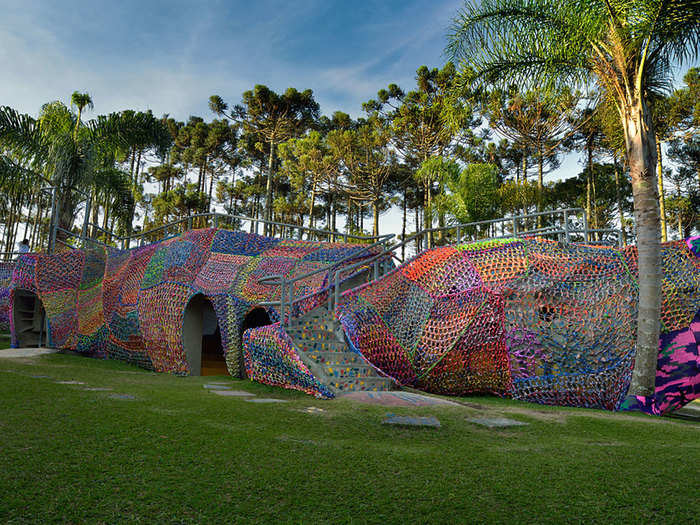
<point>589,178</point>
<point>618,197</point>
<point>133,159</point>
<point>419,238</point>
<point>211,189</point>
<point>312,204</point>
<point>268,188</point>
<point>138,169</point>
<point>334,215</point>
<point>428,214</point>
<point>403,222</point>
<point>375,210</point>
<point>66,206</point>
<point>641,152</point>
<point>662,198</point>
<point>540,184</point>
<point>523,178</point>
<point>95,214</point>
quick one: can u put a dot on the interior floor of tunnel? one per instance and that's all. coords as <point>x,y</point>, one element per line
<point>213,358</point>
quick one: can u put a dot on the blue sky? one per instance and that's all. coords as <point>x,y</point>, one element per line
<point>171,56</point>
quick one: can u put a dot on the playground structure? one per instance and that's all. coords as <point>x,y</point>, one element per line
<point>528,313</point>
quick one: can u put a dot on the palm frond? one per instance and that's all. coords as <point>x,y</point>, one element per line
<point>542,42</point>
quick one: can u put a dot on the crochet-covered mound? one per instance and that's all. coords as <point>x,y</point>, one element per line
<point>130,304</point>
<point>530,319</point>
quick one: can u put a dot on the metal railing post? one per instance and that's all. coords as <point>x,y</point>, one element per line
<point>567,234</point>
<point>336,291</point>
<point>515,227</point>
<point>459,234</point>
<point>585,227</point>
<point>216,221</point>
<point>375,270</point>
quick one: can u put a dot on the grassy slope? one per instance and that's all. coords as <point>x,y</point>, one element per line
<point>181,454</point>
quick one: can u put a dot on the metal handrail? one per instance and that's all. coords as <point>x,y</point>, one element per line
<point>255,221</point>
<point>287,285</point>
<point>567,231</point>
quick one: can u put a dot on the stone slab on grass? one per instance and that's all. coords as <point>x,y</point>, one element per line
<point>497,422</point>
<point>216,386</point>
<point>232,393</point>
<point>690,412</point>
<point>26,352</point>
<point>123,397</point>
<point>265,400</point>
<point>411,421</point>
<point>397,399</point>
<point>69,383</point>
<point>97,389</point>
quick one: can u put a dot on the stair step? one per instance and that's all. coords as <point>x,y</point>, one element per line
<point>334,373</point>
<point>334,358</point>
<point>321,346</point>
<point>310,334</point>
<point>361,384</point>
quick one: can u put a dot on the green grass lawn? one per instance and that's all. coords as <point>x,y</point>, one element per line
<point>178,453</point>
<point>4,340</point>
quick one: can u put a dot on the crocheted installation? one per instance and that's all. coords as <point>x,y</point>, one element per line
<point>271,358</point>
<point>678,373</point>
<point>530,319</point>
<point>6,269</point>
<point>130,305</point>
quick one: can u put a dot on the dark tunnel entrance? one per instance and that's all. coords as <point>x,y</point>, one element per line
<point>201,338</point>
<point>255,318</point>
<point>29,319</point>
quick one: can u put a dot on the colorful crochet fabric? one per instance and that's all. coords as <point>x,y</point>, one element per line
<point>271,358</point>
<point>529,319</point>
<point>130,305</point>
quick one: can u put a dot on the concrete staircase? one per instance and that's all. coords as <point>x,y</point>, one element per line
<point>322,348</point>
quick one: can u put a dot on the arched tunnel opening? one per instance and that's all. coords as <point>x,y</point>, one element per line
<point>201,339</point>
<point>255,318</point>
<point>29,319</point>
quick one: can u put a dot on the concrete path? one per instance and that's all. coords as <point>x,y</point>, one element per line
<point>26,352</point>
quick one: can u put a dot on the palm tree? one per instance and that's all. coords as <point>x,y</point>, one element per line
<point>61,152</point>
<point>625,48</point>
<point>80,101</point>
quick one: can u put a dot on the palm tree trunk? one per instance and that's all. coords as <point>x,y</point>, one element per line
<point>133,159</point>
<point>589,178</point>
<point>641,152</point>
<point>662,198</point>
<point>618,198</point>
<point>540,184</point>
